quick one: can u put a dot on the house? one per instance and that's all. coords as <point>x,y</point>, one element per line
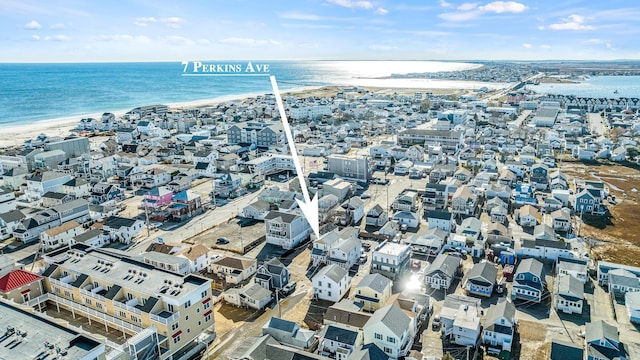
<point>272,275</point>
<point>331,283</point>
<point>408,218</point>
<point>158,197</point>
<point>256,210</point>
<point>346,251</point>
<point>390,329</point>
<point>339,341</point>
<point>372,291</point>
<point>470,227</point>
<point>481,279</point>
<point>289,333</point>
<point>390,259</point>
<point>94,238</point>
<point>29,228</point>
<point>604,267</point>
<point>9,222</point>
<point>528,281</point>
<point>406,201</point>
<point>568,295</point>
<point>207,170</point>
<point>151,178</point>
<point>622,281</point>
<point>103,192</point>
<point>586,202</point>
<point>227,185</point>
<point>346,312</point>
<point>499,326</point>
<point>61,235</point>
<point>564,350</point>
<point>252,296</point>
<point>376,216</point>
<point>234,269</point>
<point>78,188</point>
<point>122,229</point>
<point>529,216</point>
<point>440,274</point>
<point>338,187</point>
<point>499,215</point>
<point>539,176</point>
<point>52,198</point>
<point>442,220</point>
<point>185,204</point>
<point>574,267</point>
<point>603,342</point>
<point>632,303</point>
<point>7,199</point>
<point>42,182</point>
<point>286,230</point>
<point>464,202</point>
<point>20,286</point>
<point>198,256</point>
<point>354,211</point>
<point>460,317</point>
<point>561,220</point>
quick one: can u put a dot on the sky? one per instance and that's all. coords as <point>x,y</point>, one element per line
<point>159,30</point>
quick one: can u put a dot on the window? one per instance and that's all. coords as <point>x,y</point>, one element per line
<point>174,326</point>
<point>388,350</point>
<point>329,285</point>
<point>198,310</point>
<point>378,336</point>
<point>99,305</point>
<point>207,305</point>
<point>176,339</point>
<point>123,314</point>
<point>319,283</point>
<point>170,307</point>
<point>186,317</point>
<point>187,304</point>
<point>207,318</point>
<point>391,339</point>
<point>134,319</point>
<point>204,294</point>
<point>329,293</point>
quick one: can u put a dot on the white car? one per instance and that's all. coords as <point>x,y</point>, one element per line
<point>365,196</point>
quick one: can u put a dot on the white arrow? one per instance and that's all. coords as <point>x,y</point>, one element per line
<point>309,207</point>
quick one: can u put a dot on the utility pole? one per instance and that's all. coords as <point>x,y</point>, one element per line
<point>146,215</point>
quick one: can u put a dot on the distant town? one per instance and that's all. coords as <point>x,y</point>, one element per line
<point>451,227</point>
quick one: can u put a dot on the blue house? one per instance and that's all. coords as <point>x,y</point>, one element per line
<point>540,176</point>
<point>528,282</point>
<point>586,203</point>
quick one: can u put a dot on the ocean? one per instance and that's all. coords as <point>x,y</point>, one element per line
<point>37,92</point>
<point>597,87</point>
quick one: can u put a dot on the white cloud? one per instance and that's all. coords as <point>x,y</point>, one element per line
<point>124,38</point>
<point>35,37</point>
<point>247,42</point>
<point>173,22</point>
<point>381,11</point>
<point>467,6</point>
<point>179,40</point>
<point>57,38</point>
<point>361,4</point>
<point>383,47</point>
<point>500,7</point>
<point>203,41</point>
<point>527,46</point>
<point>545,46</point>
<point>57,26</point>
<point>540,27</point>
<point>32,25</point>
<point>573,22</point>
<point>445,4</point>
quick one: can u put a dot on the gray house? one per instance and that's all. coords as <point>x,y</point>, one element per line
<point>272,275</point>
<point>289,333</point>
<point>528,281</point>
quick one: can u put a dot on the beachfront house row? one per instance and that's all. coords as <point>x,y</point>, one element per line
<point>528,281</point>
<point>390,329</point>
<point>331,283</point>
<point>286,230</point>
<point>499,326</point>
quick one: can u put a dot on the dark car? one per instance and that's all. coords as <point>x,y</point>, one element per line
<point>222,241</point>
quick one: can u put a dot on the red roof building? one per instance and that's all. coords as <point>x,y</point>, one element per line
<point>16,279</point>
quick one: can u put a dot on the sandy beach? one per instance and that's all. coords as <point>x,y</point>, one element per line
<point>15,135</point>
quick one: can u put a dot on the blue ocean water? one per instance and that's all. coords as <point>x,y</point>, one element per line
<point>35,92</point>
<point>598,86</point>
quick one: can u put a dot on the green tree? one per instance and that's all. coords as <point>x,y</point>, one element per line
<point>633,153</point>
<point>425,105</point>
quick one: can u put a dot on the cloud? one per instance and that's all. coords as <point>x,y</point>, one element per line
<point>527,46</point>
<point>57,38</point>
<point>35,37</point>
<point>179,40</point>
<point>293,15</point>
<point>573,22</point>
<point>383,47</point>
<point>308,26</point>
<point>467,6</point>
<point>203,41</point>
<point>545,46</point>
<point>381,11</point>
<point>124,38</point>
<point>445,4</point>
<point>57,26</point>
<point>247,42</point>
<point>361,4</point>
<point>469,11</point>
<point>32,25</point>
<point>173,22</point>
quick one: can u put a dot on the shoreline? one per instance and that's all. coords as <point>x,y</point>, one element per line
<point>14,135</point>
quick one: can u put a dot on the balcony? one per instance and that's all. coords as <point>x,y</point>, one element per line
<point>92,294</point>
<point>61,282</point>
<point>165,317</point>
<point>128,306</point>
<point>86,311</point>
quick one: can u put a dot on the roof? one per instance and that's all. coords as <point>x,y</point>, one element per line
<point>600,330</point>
<point>442,215</point>
<point>256,291</point>
<point>87,235</point>
<point>341,334</point>
<point>375,282</point>
<point>16,279</point>
<point>569,285</point>
<point>346,312</point>
<point>55,231</point>
<point>368,352</point>
<point>281,216</point>
<point>562,350</point>
<point>530,265</point>
<point>393,318</point>
<point>193,252</point>
<point>116,222</point>
<point>504,309</point>
<point>12,216</point>
<point>446,263</point>
<point>483,271</point>
<point>277,323</point>
<point>234,262</point>
<point>333,272</point>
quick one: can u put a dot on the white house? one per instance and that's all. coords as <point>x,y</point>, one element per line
<point>234,269</point>
<point>377,216</point>
<point>122,229</point>
<point>252,295</point>
<point>568,295</point>
<point>331,283</point>
<point>499,325</point>
<point>286,230</point>
<point>61,235</point>
<point>198,256</point>
<point>442,220</point>
<point>339,340</point>
<point>391,330</point>
<point>390,259</point>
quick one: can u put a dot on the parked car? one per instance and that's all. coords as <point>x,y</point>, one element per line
<point>415,265</point>
<point>435,325</point>
<point>222,241</point>
<point>288,289</point>
<point>363,258</point>
<point>365,196</point>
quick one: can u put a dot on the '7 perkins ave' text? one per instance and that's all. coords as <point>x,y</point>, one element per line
<point>225,68</point>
